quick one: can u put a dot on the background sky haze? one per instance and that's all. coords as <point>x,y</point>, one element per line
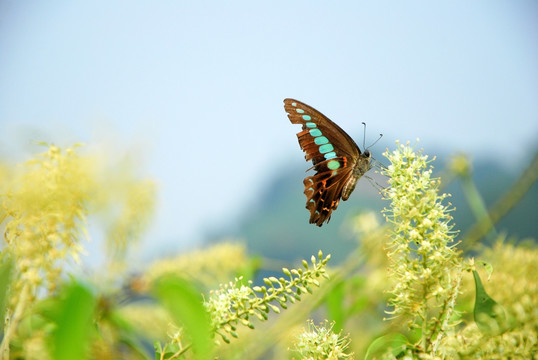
<point>194,88</point>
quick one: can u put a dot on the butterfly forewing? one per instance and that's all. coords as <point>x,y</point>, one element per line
<point>334,155</point>
<point>310,119</point>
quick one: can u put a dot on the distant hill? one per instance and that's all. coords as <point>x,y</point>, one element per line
<point>276,225</point>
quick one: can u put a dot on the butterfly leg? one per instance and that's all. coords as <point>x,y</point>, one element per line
<point>379,165</point>
<point>375,184</point>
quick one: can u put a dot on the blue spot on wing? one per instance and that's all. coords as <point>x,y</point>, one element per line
<point>315,132</point>
<point>325,148</point>
<point>330,155</point>
<point>333,165</point>
<point>321,140</point>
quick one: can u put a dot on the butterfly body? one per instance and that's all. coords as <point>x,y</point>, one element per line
<point>336,158</point>
<point>361,167</point>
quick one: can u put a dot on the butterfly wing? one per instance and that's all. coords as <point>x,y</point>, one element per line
<point>333,154</point>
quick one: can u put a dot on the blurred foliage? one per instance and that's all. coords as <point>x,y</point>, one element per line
<point>229,260</point>
<point>44,210</point>
<point>171,308</point>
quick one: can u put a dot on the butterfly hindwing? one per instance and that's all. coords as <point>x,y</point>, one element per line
<point>323,191</point>
<point>333,154</point>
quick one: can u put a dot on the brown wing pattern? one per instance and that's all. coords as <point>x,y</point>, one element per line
<point>333,154</point>
<point>324,190</point>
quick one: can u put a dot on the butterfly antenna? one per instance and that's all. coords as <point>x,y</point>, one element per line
<point>364,136</point>
<point>375,142</point>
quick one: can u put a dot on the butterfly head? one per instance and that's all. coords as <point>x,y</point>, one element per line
<point>363,164</point>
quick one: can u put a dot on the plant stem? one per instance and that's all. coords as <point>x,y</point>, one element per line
<point>477,205</point>
<point>12,322</point>
<point>504,205</point>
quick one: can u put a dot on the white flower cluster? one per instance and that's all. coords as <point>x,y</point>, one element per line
<point>224,302</point>
<point>422,250</point>
<point>320,342</point>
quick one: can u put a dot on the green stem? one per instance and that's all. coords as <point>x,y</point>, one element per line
<point>181,352</point>
<point>523,184</point>
<point>448,310</point>
<point>424,337</point>
<point>477,205</point>
<point>12,322</point>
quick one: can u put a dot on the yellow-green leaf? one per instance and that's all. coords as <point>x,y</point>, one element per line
<point>395,343</point>
<point>488,315</point>
<point>185,304</point>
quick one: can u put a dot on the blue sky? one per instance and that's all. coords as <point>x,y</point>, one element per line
<point>194,88</point>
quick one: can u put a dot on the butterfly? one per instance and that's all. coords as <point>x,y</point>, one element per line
<point>336,158</point>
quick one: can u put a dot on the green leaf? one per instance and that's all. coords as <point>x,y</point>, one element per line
<point>31,323</point>
<point>395,343</point>
<point>335,307</point>
<point>6,269</point>
<point>158,349</point>
<point>169,351</point>
<point>74,323</point>
<point>185,304</point>
<point>359,304</point>
<point>488,315</point>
